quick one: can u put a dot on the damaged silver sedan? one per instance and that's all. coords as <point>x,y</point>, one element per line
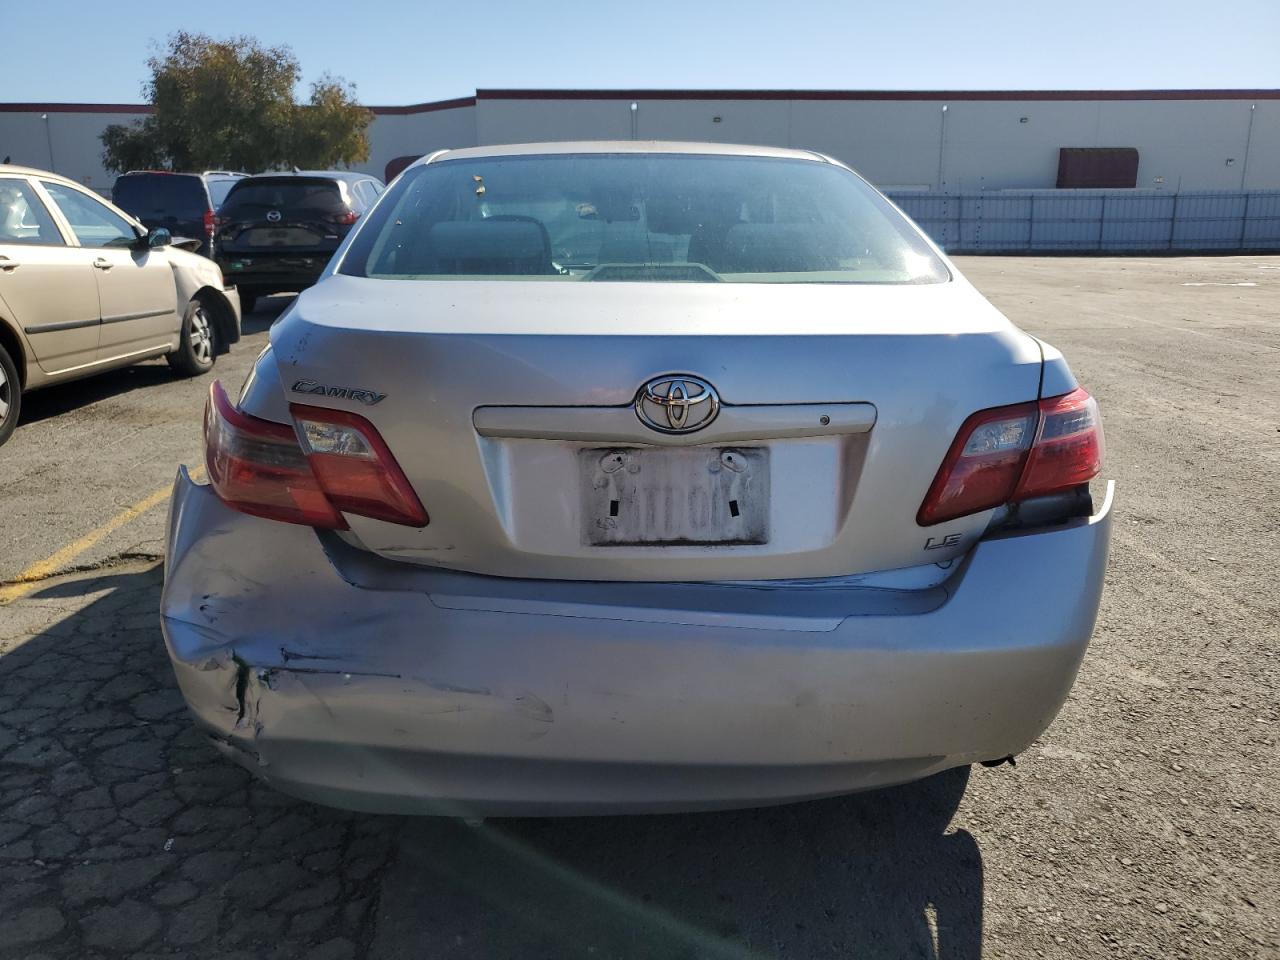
<point>623,477</point>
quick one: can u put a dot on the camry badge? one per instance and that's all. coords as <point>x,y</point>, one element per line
<point>677,403</point>
<point>367,397</point>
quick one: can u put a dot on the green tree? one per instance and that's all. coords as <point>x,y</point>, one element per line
<point>230,104</point>
<point>331,128</point>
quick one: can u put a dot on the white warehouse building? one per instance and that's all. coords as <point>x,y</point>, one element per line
<point>914,144</point>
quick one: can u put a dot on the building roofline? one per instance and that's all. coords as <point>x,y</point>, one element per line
<point>142,109</point>
<point>429,107</point>
<point>653,94</point>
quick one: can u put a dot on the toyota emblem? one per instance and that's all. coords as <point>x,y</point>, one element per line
<point>677,403</point>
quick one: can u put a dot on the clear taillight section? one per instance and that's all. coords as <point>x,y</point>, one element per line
<point>1008,454</point>
<point>340,465</point>
<point>354,466</point>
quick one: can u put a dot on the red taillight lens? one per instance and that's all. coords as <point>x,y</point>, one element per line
<point>354,466</point>
<point>258,467</point>
<point>984,463</point>
<point>210,222</point>
<point>348,218</point>
<point>332,463</point>
<point>1068,449</point>
<point>1012,453</point>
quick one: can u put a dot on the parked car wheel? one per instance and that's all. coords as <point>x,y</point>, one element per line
<point>10,395</point>
<point>197,349</point>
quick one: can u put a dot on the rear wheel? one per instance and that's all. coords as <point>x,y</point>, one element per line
<point>10,395</point>
<point>195,353</point>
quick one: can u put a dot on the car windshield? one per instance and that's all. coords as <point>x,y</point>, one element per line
<point>648,217</point>
<point>160,194</point>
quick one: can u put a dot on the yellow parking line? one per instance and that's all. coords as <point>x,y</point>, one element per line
<point>29,578</point>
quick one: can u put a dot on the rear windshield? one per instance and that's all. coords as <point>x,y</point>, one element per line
<point>293,197</point>
<point>647,217</point>
<point>160,194</point>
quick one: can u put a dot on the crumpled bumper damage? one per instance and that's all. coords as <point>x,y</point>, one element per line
<point>377,686</point>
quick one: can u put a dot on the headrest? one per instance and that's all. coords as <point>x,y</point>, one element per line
<point>784,247</point>
<point>489,240</point>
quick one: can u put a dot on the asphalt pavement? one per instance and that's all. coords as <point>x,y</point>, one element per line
<point>1142,824</point>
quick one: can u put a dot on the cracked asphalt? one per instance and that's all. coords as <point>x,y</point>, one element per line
<point>1143,823</point>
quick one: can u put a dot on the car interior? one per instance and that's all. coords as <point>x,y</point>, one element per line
<point>22,221</point>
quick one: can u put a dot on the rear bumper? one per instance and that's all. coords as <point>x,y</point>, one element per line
<point>262,273</point>
<point>418,691</point>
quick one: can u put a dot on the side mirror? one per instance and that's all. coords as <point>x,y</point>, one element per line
<point>159,237</point>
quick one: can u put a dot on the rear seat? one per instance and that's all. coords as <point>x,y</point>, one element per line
<point>493,246</point>
<point>783,248</point>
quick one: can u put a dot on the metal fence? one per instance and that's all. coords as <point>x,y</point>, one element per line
<point>1036,221</point>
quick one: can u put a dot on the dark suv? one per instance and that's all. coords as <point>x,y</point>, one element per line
<point>185,204</point>
<point>276,232</point>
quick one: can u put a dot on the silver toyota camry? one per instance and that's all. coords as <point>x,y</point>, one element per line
<point>622,477</point>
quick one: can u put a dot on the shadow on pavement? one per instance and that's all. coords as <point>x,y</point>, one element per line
<point>125,833</point>
<point>63,398</point>
<point>865,876</point>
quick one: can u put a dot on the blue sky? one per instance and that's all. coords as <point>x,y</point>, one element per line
<point>398,51</point>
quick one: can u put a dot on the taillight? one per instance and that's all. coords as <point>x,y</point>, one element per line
<point>258,467</point>
<point>984,464</point>
<point>210,222</point>
<point>1068,449</point>
<point>348,217</point>
<point>355,468</point>
<point>1008,454</point>
<point>341,465</point>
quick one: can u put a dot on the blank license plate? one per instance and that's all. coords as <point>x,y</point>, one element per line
<point>281,237</point>
<point>685,495</point>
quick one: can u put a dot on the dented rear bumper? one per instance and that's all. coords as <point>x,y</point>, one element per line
<point>374,685</point>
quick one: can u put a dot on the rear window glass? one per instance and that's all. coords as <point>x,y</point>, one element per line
<point>294,197</point>
<point>160,194</point>
<point>646,217</point>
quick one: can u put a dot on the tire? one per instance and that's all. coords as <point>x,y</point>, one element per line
<point>10,395</point>
<point>197,348</point>
<point>247,303</point>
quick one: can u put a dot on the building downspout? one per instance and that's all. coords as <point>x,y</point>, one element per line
<point>49,140</point>
<point>1248,142</point>
<point>942,145</point>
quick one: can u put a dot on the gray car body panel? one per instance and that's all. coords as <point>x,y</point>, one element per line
<point>923,357</point>
<point>379,686</point>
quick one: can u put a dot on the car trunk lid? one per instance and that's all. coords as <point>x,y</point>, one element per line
<point>509,406</point>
